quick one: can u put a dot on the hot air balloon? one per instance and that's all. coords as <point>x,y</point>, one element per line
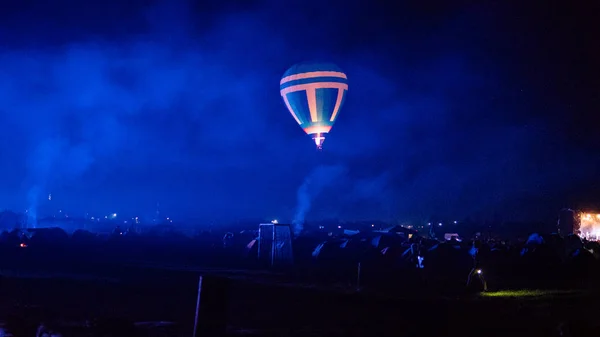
<point>314,93</point>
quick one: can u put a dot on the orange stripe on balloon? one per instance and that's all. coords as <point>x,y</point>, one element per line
<point>317,129</point>
<point>311,96</point>
<point>338,103</point>
<point>315,86</point>
<point>287,103</point>
<point>312,74</point>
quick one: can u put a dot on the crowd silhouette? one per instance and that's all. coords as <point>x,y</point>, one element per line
<point>389,260</point>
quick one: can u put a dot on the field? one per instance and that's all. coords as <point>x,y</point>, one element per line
<point>258,305</point>
<point>70,286</point>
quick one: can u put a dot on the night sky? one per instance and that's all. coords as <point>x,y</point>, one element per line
<point>475,108</point>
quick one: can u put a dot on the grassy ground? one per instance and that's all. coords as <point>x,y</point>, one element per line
<point>536,294</point>
<point>270,304</point>
<point>266,309</point>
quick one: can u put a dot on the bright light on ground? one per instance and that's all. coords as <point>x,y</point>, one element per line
<point>527,293</point>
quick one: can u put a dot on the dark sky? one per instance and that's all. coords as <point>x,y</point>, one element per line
<point>455,108</point>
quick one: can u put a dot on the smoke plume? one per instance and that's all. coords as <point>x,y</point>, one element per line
<point>52,160</point>
<point>319,179</point>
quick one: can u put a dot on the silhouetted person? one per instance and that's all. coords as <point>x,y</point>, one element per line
<point>431,232</point>
<point>476,271</point>
<point>228,240</point>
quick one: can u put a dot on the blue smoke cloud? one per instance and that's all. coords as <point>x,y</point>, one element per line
<point>173,106</point>
<point>320,178</point>
<point>103,104</point>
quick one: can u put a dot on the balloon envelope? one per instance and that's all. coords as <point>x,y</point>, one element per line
<point>314,93</point>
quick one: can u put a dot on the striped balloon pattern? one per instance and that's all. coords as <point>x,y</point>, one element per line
<point>314,93</point>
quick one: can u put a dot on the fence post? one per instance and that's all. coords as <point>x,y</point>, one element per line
<point>197,305</point>
<point>358,278</point>
<point>211,307</point>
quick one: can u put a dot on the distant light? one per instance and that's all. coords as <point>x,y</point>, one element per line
<point>429,224</point>
<point>339,226</point>
<point>455,221</point>
<point>372,225</point>
<point>50,196</point>
<point>22,245</point>
<point>60,211</point>
<point>478,271</point>
<point>114,215</point>
<point>321,227</point>
<point>440,224</point>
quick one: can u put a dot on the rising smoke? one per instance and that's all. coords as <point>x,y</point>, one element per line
<point>319,179</point>
<point>449,131</point>
<point>101,102</point>
<point>32,201</point>
<point>52,160</point>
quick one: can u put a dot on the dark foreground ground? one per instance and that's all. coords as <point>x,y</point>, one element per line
<point>76,284</point>
<point>266,308</point>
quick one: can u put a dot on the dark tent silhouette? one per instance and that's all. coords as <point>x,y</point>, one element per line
<point>48,236</point>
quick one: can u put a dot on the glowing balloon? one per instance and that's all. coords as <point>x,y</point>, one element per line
<point>314,93</point>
